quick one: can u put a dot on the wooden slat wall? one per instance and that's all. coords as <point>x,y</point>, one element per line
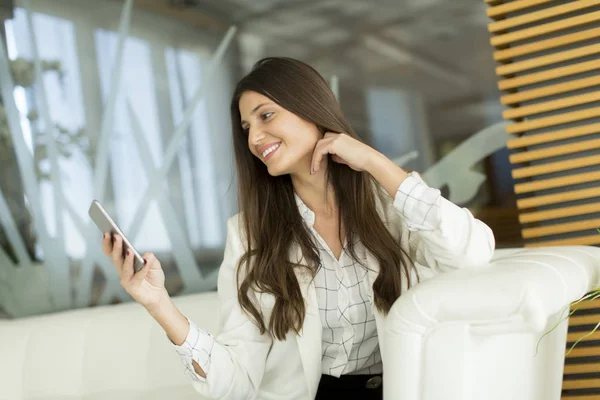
<point>582,364</point>
<point>548,54</point>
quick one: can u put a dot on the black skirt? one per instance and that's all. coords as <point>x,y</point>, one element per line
<point>348,387</point>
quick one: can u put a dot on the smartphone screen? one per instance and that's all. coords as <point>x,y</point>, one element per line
<point>106,225</point>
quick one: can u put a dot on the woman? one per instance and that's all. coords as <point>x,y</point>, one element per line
<point>336,233</point>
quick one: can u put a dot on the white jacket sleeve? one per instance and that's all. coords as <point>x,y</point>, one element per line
<point>440,234</point>
<point>238,355</point>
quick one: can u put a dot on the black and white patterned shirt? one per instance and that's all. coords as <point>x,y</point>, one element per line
<point>350,343</point>
<point>349,337</point>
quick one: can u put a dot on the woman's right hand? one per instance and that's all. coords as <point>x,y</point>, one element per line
<point>147,286</point>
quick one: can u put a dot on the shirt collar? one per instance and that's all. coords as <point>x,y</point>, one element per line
<point>307,214</point>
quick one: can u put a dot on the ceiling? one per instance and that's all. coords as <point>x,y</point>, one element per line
<point>438,48</point>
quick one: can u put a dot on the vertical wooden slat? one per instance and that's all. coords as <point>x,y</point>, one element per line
<point>513,6</point>
<point>548,44</point>
<point>550,90</point>
<point>541,15</point>
<point>545,29</point>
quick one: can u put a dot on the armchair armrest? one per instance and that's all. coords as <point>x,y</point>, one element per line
<point>447,320</point>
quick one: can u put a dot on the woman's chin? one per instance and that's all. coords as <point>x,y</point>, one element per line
<point>275,171</point>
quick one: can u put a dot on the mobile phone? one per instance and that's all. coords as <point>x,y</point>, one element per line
<point>106,225</point>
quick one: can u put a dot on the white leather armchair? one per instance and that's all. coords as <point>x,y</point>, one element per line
<point>469,334</point>
<point>472,334</point>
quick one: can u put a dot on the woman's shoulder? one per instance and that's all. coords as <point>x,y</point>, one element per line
<point>384,203</point>
<point>235,222</point>
<point>236,225</point>
<point>235,241</point>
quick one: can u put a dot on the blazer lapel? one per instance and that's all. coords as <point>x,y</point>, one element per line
<point>309,338</point>
<point>380,319</point>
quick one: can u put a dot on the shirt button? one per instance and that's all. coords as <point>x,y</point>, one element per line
<point>373,383</point>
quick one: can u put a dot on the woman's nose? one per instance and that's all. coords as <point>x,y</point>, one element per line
<point>256,137</point>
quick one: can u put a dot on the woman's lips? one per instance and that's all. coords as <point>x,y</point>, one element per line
<point>271,154</point>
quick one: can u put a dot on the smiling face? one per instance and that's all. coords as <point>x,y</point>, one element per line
<point>283,141</point>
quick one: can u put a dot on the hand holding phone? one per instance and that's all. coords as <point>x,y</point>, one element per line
<point>106,225</point>
<point>145,284</point>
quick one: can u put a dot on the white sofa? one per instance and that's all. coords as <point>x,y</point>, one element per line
<point>469,334</point>
<point>472,334</point>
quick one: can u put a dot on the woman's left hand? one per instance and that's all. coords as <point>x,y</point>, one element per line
<point>344,150</point>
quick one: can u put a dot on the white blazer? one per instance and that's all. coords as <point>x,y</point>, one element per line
<point>252,366</point>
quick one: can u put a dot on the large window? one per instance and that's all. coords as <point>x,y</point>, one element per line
<point>163,66</point>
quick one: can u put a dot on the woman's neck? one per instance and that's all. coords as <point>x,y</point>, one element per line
<point>316,193</point>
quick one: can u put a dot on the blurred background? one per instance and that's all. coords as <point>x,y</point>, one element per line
<point>127,103</point>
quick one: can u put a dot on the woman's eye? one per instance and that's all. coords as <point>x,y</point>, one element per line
<point>266,115</point>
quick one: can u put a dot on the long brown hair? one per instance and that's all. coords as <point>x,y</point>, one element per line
<point>271,221</point>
